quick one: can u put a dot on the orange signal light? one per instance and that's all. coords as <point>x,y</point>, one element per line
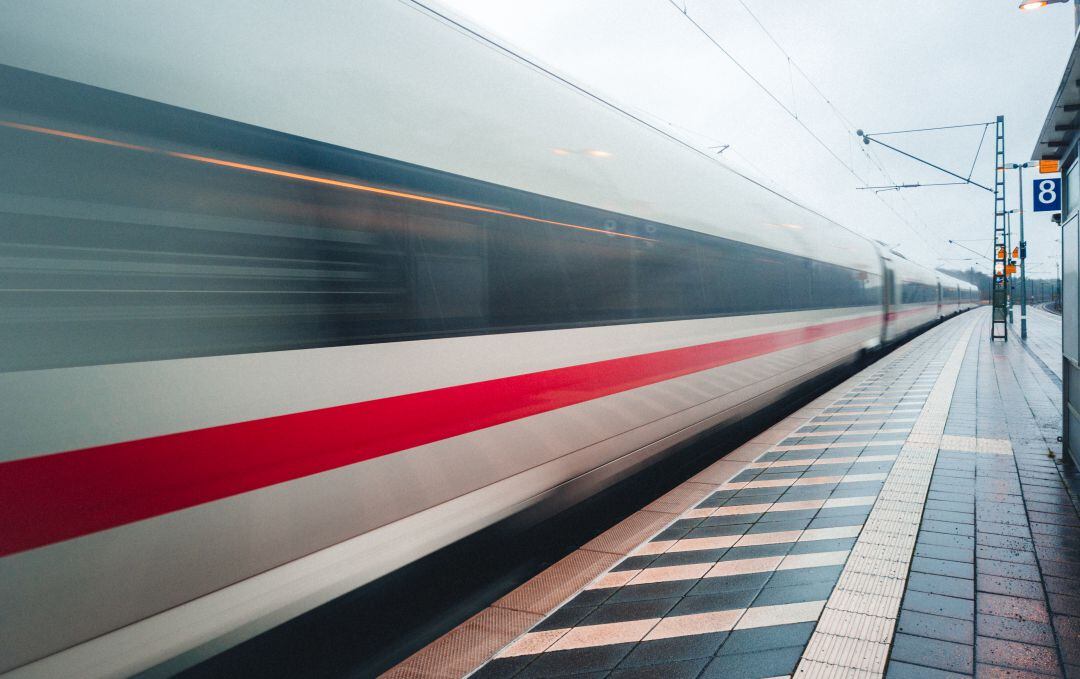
<point>1016,252</point>
<point>1049,166</point>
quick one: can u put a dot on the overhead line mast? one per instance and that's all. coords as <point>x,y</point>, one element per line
<point>999,290</point>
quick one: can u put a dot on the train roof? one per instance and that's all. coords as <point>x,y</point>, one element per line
<point>409,81</point>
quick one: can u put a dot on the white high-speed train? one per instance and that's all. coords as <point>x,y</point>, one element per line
<point>293,294</point>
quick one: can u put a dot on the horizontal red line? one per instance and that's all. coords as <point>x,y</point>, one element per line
<point>60,496</point>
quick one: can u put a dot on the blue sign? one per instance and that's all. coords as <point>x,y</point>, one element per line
<point>1047,194</point>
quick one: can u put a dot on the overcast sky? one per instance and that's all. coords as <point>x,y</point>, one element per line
<point>884,65</point>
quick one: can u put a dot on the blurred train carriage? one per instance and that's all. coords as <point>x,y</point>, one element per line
<point>269,337</point>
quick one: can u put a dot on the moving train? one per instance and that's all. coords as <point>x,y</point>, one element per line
<point>292,298</point>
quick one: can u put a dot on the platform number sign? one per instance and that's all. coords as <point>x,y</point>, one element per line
<point>1047,194</point>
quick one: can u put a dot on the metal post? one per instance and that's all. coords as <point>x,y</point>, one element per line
<point>1023,256</point>
<point>1008,258</point>
<point>999,288</point>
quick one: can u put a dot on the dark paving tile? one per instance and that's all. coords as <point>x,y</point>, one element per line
<point>1004,541</point>
<point>594,597</point>
<point>777,526</point>
<point>630,610</point>
<point>1064,604</point>
<point>676,648</point>
<point>711,531</point>
<point>652,590</point>
<point>671,533</point>
<point>1011,607</point>
<point>567,616</point>
<point>767,638</point>
<point>732,520</point>
<point>1028,632</point>
<point>1004,529</point>
<point>1059,569</point>
<point>816,546</point>
<point>838,521</point>
<point>962,498</point>
<point>902,670</point>
<point>756,665</point>
<point>954,569</point>
<point>720,601</point>
<point>802,576</point>
<point>1062,585</point>
<point>936,627</point>
<point>576,661</point>
<point>936,604</point>
<point>943,516</point>
<point>685,669</point>
<point>1007,569</point>
<point>947,540</point>
<point>1068,629</point>
<point>950,505</point>
<point>944,655</point>
<point>941,584</point>
<point>693,556</point>
<point>756,551</point>
<point>1014,654</point>
<point>633,563</point>
<point>858,510</point>
<point>984,671</point>
<point>1009,586</point>
<point>773,595</point>
<point>779,516</point>
<point>503,668</point>
<point>1010,555</point>
<point>728,583</point>
<point>946,553</point>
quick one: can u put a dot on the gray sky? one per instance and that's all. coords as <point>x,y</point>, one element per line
<point>884,64</point>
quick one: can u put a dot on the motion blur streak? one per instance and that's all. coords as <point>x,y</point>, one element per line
<point>311,178</point>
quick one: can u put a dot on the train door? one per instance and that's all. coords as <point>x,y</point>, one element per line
<point>939,300</point>
<point>888,302</point>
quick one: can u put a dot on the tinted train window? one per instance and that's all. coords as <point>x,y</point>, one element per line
<point>133,231</point>
<point>918,293</point>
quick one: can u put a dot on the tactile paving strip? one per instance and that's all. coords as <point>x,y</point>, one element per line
<point>853,634</point>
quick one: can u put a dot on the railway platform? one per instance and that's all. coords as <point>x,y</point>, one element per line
<point>915,521</point>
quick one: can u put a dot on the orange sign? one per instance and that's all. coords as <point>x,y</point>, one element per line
<point>1010,269</point>
<point>1049,167</point>
<point>1016,252</point>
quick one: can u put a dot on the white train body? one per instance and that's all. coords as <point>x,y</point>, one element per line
<point>294,295</point>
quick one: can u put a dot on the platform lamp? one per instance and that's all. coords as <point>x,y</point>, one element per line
<point>1032,5</point>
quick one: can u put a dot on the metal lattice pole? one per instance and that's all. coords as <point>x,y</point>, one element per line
<point>999,289</point>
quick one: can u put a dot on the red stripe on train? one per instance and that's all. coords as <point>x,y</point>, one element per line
<point>60,496</point>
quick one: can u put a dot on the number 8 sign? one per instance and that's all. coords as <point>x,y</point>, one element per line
<point>1047,193</point>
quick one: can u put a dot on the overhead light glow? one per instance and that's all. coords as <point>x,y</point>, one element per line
<point>560,152</point>
<point>598,154</point>
<point>1032,4</point>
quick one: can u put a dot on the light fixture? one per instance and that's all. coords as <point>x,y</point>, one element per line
<point>1029,5</point>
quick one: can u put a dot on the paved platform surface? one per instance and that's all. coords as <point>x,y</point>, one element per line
<point>912,522</point>
<point>1044,338</point>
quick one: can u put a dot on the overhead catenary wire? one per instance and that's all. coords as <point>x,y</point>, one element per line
<point>851,126</point>
<point>978,150</point>
<point>847,123</point>
<point>928,129</point>
<point>420,5</point>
